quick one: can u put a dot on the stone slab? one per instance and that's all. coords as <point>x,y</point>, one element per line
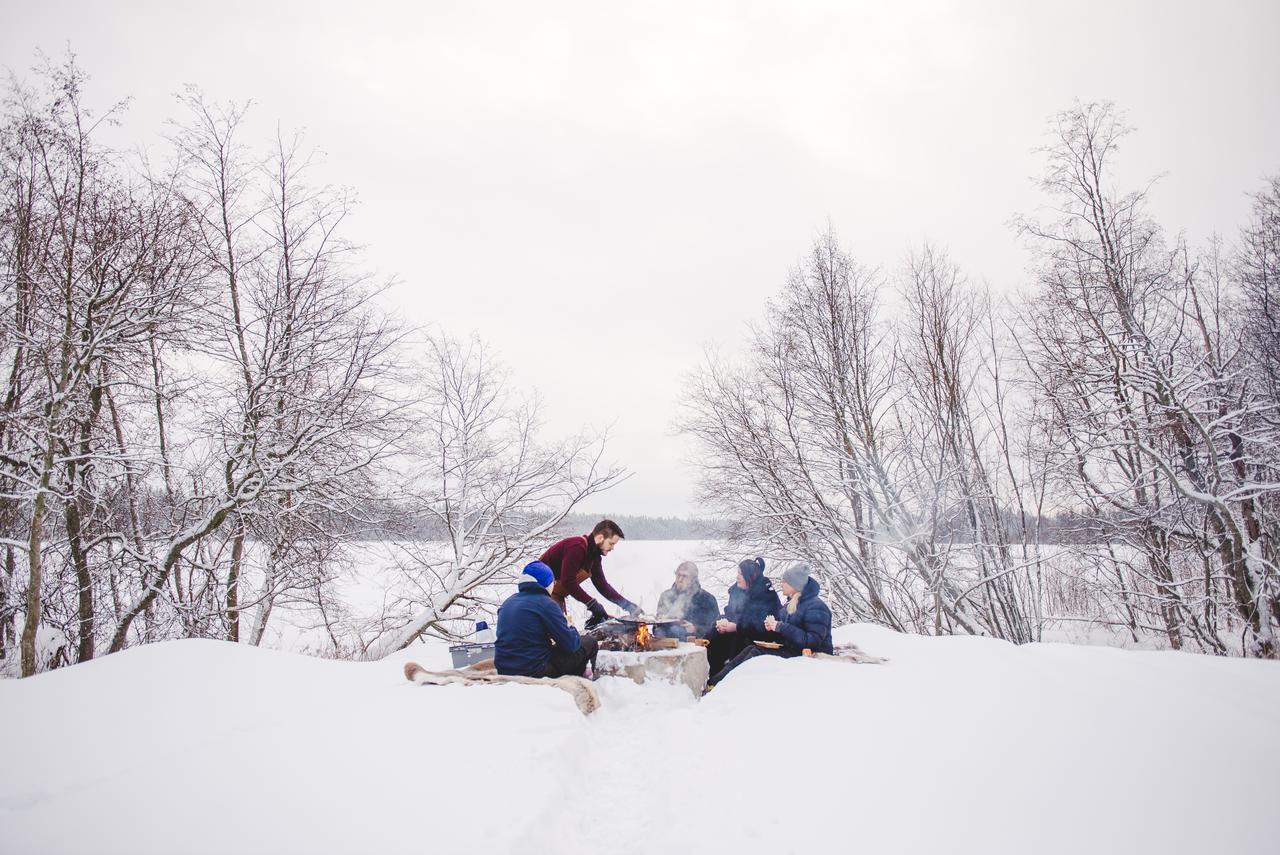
<point>686,664</point>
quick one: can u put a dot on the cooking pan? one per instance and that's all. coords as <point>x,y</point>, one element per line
<point>649,620</point>
<point>630,625</point>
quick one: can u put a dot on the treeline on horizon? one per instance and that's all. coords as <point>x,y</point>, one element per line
<point>1058,528</point>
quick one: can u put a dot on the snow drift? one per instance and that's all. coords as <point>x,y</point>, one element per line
<point>958,744</point>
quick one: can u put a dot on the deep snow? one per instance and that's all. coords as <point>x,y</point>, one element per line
<point>957,745</point>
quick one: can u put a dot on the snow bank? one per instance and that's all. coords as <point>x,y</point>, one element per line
<point>957,745</point>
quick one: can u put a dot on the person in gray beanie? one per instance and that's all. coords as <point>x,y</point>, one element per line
<point>805,622</point>
<point>797,576</point>
<point>803,625</point>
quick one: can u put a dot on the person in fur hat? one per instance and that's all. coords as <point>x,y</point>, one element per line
<point>803,624</point>
<point>686,601</point>
<point>534,636</point>
<point>751,600</point>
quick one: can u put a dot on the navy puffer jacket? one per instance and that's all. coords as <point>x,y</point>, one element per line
<point>749,608</point>
<point>528,622</point>
<point>809,626</point>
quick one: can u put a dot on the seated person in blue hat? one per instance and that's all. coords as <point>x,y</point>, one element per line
<point>534,637</point>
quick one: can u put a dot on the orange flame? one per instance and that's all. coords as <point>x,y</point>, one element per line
<point>642,635</point>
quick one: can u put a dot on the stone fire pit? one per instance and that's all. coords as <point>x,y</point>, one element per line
<point>686,663</point>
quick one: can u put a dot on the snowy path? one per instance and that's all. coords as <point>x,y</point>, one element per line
<point>619,775</point>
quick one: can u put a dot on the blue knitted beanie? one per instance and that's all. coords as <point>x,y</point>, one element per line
<point>536,571</point>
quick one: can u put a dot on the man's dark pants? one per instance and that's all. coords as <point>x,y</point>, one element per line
<point>723,647</point>
<point>575,663</point>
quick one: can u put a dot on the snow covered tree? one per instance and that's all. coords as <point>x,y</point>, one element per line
<point>300,391</point>
<point>1159,429</point>
<point>194,360</point>
<point>95,260</point>
<point>477,472</point>
<point>815,449</point>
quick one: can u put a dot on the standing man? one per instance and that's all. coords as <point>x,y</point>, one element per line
<point>534,639</point>
<point>686,601</point>
<point>576,559</point>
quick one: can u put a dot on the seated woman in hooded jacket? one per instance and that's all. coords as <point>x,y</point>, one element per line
<point>751,600</point>
<point>804,623</point>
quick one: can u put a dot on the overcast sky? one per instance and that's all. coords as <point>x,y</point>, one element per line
<point>603,190</point>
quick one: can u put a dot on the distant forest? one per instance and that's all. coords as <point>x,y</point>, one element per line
<point>1065,528</point>
<point>634,527</point>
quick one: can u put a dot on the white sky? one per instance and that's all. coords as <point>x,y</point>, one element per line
<point>601,190</point>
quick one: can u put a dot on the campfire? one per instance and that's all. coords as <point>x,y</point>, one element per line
<point>634,635</point>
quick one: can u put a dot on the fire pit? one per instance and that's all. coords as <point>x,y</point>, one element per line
<point>635,635</point>
<point>630,647</point>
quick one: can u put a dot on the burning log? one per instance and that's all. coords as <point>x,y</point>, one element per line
<point>635,636</point>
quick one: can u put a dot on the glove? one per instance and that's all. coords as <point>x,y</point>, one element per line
<point>632,609</point>
<point>598,614</point>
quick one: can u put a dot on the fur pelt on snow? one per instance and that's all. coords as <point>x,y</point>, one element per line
<point>850,652</point>
<point>481,673</point>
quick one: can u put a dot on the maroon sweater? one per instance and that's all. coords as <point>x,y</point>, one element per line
<point>568,557</point>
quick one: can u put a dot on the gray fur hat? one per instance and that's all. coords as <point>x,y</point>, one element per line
<point>690,568</point>
<point>797,575</point>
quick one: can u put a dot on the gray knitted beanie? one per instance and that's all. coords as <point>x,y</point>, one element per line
<point>797,575</point>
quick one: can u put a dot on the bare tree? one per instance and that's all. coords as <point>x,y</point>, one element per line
<point>194,358</point>
<point>958,431</point>
<point>477,472</point>
<point>301,385</point>
<point>855,444</point>
<point>1257,269</point>
<point>92,250</point>
<point>1141,367</point>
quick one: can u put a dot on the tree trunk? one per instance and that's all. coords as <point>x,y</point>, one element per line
<point>84,581</point>
<point>233,583</point>
<point>35,579</point>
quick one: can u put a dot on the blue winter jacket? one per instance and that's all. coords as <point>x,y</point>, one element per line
<point>528,622</point>
<point>749,608</point>
<point>809,627</point>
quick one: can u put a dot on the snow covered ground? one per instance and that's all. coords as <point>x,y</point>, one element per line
<point>956,745</point>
